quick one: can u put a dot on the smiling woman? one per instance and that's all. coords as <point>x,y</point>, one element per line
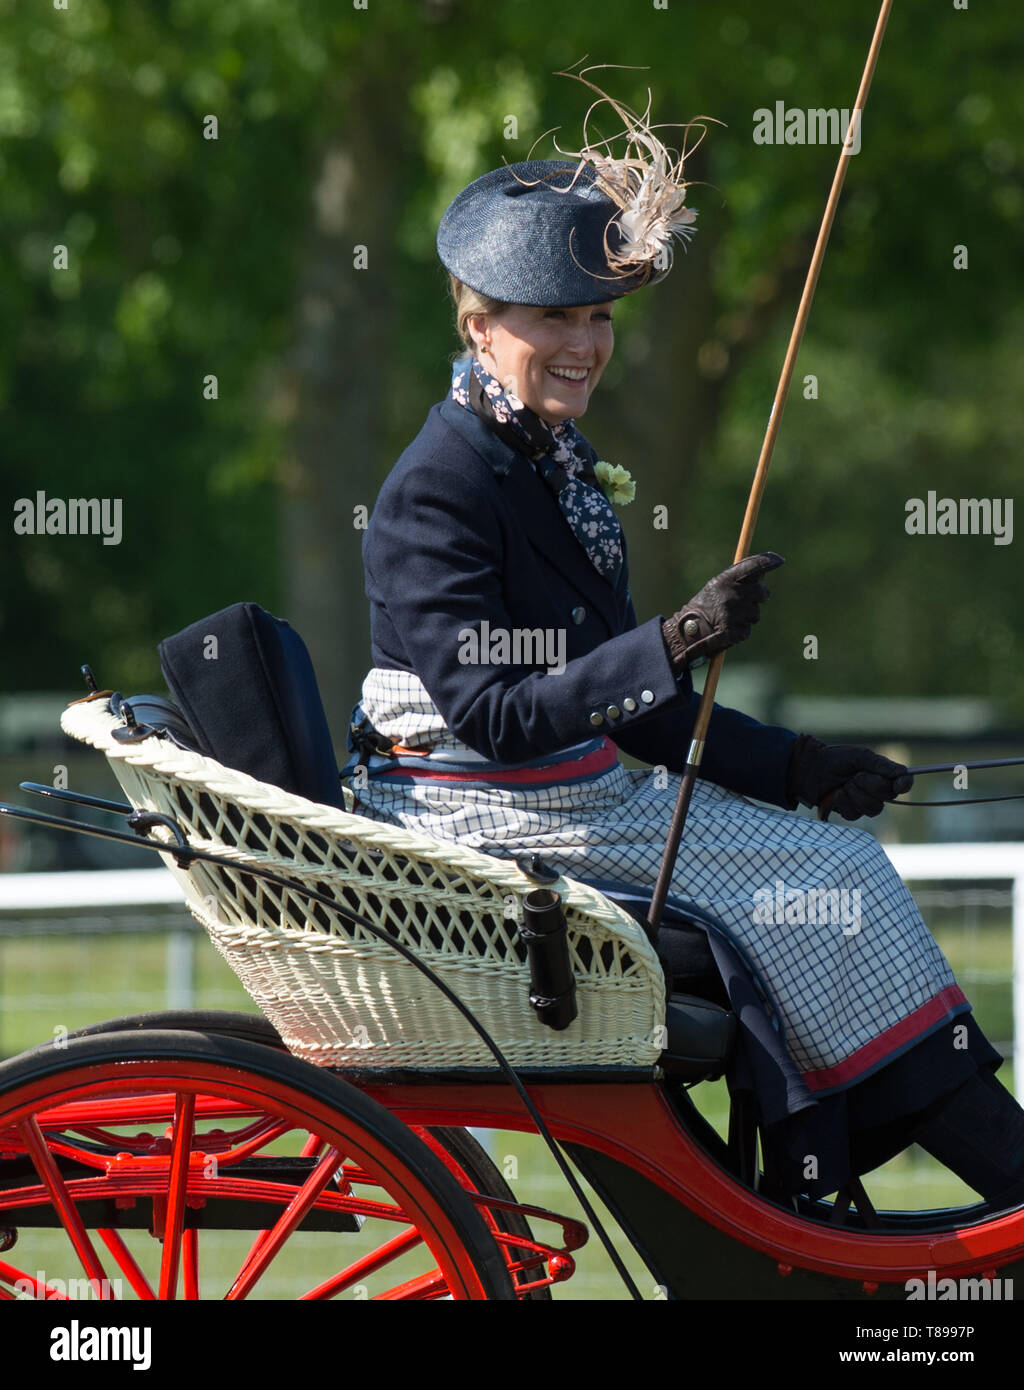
<point>495,523</point>
<point>549,359</point>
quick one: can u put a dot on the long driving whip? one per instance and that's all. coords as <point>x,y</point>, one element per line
<point>700,728</point>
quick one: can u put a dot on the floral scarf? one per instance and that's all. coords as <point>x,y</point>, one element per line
<point>560,455</point>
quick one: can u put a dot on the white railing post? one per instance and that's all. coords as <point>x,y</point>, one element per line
<point>180,974</point>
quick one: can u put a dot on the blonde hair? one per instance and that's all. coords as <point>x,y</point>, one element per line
<point>469,302</point>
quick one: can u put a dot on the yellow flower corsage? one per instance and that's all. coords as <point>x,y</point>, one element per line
<point>616,482</point>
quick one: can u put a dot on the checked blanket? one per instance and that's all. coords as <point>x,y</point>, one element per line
<point>853,970</point>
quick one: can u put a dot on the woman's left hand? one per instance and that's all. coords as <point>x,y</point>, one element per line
<point>857,781</point>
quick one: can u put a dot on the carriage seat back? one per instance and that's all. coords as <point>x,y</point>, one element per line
<point>246,687</point>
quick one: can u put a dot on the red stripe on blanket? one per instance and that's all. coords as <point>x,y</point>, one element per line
<point>599,761</point>
<point>907,1030</point>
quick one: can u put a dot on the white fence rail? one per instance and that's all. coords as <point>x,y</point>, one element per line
<point>29,900</point>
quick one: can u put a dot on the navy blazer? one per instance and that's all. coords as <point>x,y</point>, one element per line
<point>464,530</point>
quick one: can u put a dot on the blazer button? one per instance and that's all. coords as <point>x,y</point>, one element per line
<point>629,704</point>
<point>647,696</point>
<point>578,614</point>
<point>596,719</point>
<point>613,712</point>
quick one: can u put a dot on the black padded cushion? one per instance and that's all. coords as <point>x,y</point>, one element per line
<point>700,1025</point>
<point>700,1038</point>
<point>683,950</point>
<point>251,699</point>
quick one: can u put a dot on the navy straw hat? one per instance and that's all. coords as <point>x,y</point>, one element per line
<point>512,235</point>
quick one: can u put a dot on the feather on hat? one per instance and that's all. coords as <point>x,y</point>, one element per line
<point>543,232</point>
<point>647,184</point>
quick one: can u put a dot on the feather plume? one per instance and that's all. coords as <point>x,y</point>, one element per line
<point>647,183</point>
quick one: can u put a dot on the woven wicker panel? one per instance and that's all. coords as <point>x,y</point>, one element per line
<point>338,995</point>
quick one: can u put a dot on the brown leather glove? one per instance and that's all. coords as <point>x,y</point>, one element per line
<point>721,615</point>
<point>857,781</point>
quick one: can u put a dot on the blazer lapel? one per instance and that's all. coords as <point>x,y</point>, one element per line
<point>537,510</point>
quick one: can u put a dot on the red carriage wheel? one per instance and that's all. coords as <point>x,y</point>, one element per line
<point>130,1162</point>
<point>459,1150</point>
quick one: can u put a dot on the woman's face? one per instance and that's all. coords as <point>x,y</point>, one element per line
<point>550,358</point>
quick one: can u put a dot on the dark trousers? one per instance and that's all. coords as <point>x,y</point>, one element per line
<point>978,1132</point>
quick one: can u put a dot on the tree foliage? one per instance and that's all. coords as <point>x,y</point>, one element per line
<point>337,127</point>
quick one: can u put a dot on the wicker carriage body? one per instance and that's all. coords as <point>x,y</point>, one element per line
<point>338,995</point>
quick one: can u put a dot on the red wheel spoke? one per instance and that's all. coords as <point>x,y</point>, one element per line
<point>253,1248</point>
<point>286,1223</point>
<point>126,1262</point>
<point>425,1286</point>
<point>42,1159</point>
<point>310,1149</point>
<point>391,1250</point>
<point>190,1250</point>
<point>184,1112</point>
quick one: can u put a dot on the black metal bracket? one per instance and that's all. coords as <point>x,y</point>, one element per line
<point>120,808</point>
<point>140,822</point>
<point>144,821</point>
<point>534,867</point>
<point>132,731</point>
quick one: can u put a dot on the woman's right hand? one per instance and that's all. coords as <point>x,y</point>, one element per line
<point>722,614</point>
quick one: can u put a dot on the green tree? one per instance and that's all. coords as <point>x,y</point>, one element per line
<point>340,128</point>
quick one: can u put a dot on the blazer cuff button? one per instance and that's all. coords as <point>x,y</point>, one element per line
<point>596,719</point>
<point>629,704</point>
<point>647,696</point>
